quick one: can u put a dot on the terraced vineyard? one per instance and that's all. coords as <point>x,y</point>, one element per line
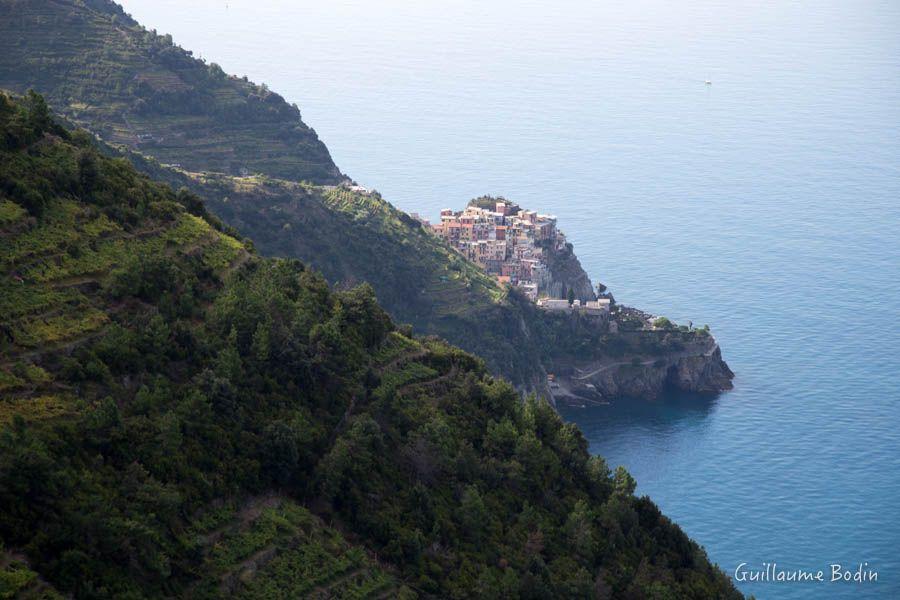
<point>18,580</point>
<point>273,548</point>
<point>55,266</point>
<point>134,87</point>
<point>264,172</point>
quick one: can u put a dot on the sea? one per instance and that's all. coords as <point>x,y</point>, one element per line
<point>726,162</point>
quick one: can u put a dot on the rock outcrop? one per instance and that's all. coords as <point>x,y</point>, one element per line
<point>567,274</point>
<point>696,369</point>
<point>700,373</point>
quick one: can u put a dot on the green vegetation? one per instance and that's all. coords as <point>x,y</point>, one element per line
<point>353,237</point>
<point>244,150</point>
<point>565,338</point>
<point>490,202</point>
<point>15,578</point>
<point>33,408</point>
<point>663,323</point>
<point>274,548</point>
<point>197,439</point>
<point>104,71</point>
<point>10,212</point>
<point>418,279</point>
<point>134,88</point>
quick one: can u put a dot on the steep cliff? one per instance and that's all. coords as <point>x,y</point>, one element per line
<point>567,274</point>
<point>698,369</point>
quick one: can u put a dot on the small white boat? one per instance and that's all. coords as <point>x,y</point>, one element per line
<point>708,82</point>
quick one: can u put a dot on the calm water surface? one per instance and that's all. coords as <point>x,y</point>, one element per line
<point>765,204</point>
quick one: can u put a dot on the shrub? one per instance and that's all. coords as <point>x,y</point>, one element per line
<point>663,323</point>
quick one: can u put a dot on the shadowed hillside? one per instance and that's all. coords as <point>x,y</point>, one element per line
<point>180,417</point>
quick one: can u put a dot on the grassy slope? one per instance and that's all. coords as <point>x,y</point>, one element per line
<point>102,70</point>
<point>181,417</point>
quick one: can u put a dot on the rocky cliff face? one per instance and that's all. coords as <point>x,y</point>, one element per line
<point>566,274</point>
<point>700,373</point>
<point>698,369</point>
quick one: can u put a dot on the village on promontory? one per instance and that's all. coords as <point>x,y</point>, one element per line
<point>514,245</point>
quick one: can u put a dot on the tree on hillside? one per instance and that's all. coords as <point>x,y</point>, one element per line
<point>39,117</point>
<point>571,296</point>
<point>87,171</point>
<point>624,483</point>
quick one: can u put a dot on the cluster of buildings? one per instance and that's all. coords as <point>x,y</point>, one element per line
<point>513,245</point>
<point>508,242</point>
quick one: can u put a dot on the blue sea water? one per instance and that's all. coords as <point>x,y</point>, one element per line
<point>764,204</point>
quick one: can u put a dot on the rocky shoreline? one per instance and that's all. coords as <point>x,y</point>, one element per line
<point>655,359</point>
<point>701,371</point>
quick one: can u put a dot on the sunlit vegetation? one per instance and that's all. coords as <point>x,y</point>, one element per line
<point>34,407</point>
<point>53,329</point>
<point>15,578</point>
<point>353,236</point>
<point>79,237</point>
<point>18,580</point>
<point>395,347</point>
<point>10,212</point>
<point>273,548</point>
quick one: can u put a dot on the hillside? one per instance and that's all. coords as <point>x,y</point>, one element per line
<point>350,237</point>
<point>353,237</point>
<point>105,72</point>
<point>180,417</point>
